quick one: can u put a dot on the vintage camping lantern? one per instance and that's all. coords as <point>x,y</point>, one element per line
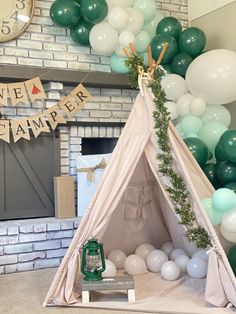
<point>93,260</point>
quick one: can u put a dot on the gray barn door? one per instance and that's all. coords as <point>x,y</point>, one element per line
<point>27,169</point>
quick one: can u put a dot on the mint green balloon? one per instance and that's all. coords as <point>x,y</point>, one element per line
<point>211,133</point>
<point>178,128</point>
<point>192,134</point>
<point>224,200</point>
<point>213,215</point>
<point>145,57</point>
<point>146,7</point>
<point>142,41</point>
<point>190,124</point>
<point>118,64</point>
<point>217,113</point>
<point>150,27</point>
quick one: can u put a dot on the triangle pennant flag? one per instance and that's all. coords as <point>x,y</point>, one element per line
<point>18,93</point>
<point>81,95</point>
<point>54,116</point>
<point>20,129</point>
<point>38,124</point>
<point>3,94</point>
<point>35,89</point>
<point>69,105</point>
<point>5,130</point>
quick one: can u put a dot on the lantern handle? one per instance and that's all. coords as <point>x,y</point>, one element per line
<point>83,260</point>
<point>102,256</point>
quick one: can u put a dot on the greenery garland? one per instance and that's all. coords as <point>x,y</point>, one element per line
<point>178,192</point>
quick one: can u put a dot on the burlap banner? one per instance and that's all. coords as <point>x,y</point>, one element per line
<point>22,92</point>
<point>40,122</point>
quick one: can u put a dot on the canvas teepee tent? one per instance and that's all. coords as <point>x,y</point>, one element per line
<point>131,207</point>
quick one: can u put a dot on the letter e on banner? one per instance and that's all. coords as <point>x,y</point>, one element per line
<point>54,116</point>
<point>18,93</point>
<point>5,130</point>
<point>69,105</point>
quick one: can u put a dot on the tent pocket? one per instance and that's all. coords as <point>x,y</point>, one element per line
<point>132,203</point>
<point>146,202</point>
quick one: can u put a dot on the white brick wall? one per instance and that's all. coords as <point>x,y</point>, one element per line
<point>46,45</point>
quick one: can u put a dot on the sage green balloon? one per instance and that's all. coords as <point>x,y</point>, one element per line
<point>211,133</point>
<point>180,63</point>
<point>158,43</point>
<point>80,32</point>
<point>94,11</point>
<point>169,25</point>
<point>198,148</point>
<point>192,41</point>
<point>146,7</point>
<point>65,13</point>
<point>142,41</point>
<point>217,113</point>
<point>151,26</point>
<point>191,123</point>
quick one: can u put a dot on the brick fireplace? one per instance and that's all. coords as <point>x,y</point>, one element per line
<point>29,244</point>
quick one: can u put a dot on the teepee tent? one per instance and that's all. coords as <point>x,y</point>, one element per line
<point>131,207</point>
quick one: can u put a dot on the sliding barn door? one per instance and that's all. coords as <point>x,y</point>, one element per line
<point>27,169</point>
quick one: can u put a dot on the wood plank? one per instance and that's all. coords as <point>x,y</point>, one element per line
<point>94,79</point>
<point>30,174</point>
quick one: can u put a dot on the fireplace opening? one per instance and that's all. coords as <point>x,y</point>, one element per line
<point>94,146</point>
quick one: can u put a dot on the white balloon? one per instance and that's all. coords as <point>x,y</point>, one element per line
<point>125,38</point>
<point>119,51</point>
<point>118,17</point>
<point>228,221</point>
<point>144,249</point>
<point>202,254</point>
<point>170,271</point>
<point>103,38</point>
<point>110,270</point>
<point>167,248</point>
<point>155,259</point>
<point>172,109</point>
<point>117,257</point>
<point>135,21</point>
<point>120,3</point>
<point>197,106</point>
<point>174,86</point>
<point>183,104</point>
<point>135,265</point>
<point>197,267</point>
<point>212,76</point>
<point>230,236</point>
<point>176,253</point>
<point>182,262</point>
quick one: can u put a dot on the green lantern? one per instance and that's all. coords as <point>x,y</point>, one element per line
<point>93,260</point>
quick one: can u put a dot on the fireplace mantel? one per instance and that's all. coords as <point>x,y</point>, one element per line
<point>93,79</point>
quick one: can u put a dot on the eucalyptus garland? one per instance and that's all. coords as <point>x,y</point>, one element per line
<point>178,191</point>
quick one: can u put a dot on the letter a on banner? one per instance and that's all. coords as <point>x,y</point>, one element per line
<point>18,93</point>
<point>38,124</point>
<point>3,94</point>
<point>20,129</point>
<point>35,89</point>
<point>5,130</point>
<point>54,116</point>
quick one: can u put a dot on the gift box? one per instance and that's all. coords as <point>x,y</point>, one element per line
<point>90,169</point>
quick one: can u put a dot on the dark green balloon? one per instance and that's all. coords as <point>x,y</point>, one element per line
<point>94,11</point>
<point>181,63</point>
<point>65,13</point>
<point>80,32</point>
<point>157,44</point>
<point>219,154</point>
<point>227,144</point>
<point>226,172</point>
<point>169,25</point>
<point>198,148</point>
<point>167,68</point>
<point>231,186</point>
<point>210,171</point>
<point>192,41</point>
<point>232,258</point>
